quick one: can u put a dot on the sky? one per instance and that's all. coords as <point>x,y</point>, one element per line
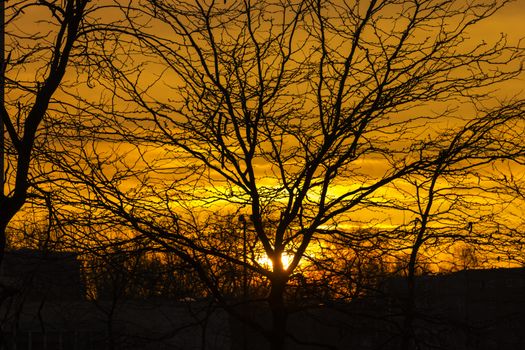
<point>510,20</point>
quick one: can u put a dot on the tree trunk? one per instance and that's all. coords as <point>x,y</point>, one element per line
<point>279,314</point>
<point>3,293</point>
<point>3,239</point>
<point>408,327</point>
<point>408,340</point>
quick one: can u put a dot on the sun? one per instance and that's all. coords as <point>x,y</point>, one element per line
<point>266,262</point>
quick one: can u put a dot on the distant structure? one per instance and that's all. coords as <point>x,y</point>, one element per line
<point>461,289</point>
<point>42,275</point>
<point>465,310</point>
<point>478,309</point>
<point>43,307</point>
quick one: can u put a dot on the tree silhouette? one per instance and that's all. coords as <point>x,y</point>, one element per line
<point>43,41</point>
<point>299,115</point>
<point>35,68</point>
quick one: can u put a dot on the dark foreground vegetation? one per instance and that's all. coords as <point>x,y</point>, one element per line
<point>52,306</point>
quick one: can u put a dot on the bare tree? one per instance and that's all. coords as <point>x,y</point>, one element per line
<point>43,38</point>
<point>49,48</point>
<point>450,201</point>
<point>298,115</point>
<point>504,234</point>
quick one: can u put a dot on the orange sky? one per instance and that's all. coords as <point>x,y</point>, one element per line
<point>510,20</point>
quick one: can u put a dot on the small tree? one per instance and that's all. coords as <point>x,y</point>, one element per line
<point>43,39</point>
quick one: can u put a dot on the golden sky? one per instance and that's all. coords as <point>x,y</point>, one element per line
<point>510,21</point>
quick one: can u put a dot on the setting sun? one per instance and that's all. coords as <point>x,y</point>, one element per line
<point>266,262</point>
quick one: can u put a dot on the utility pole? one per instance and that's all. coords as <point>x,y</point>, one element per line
<point>242,220</point>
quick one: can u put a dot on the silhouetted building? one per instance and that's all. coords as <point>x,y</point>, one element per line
<point>469,309</point>
<point>44,308</point>
<point>42,274</point>
<point>465,310</point>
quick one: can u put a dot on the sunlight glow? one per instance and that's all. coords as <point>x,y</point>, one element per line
<point>266,262</point>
